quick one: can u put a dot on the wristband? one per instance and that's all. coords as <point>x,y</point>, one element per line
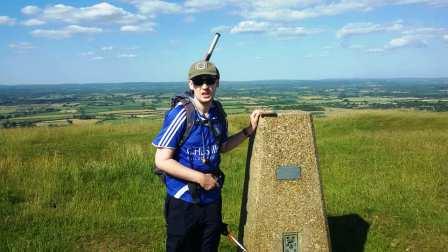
<point>245,133</point>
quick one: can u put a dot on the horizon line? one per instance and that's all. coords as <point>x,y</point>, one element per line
<point>261,80</point>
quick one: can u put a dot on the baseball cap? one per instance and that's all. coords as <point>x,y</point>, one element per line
<point>203,67</point>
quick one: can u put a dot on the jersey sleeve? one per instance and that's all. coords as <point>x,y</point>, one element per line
<point>173,127</point>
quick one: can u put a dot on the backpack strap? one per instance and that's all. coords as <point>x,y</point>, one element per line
<point>221,113</point>
<point>190,114</point>
<point>222,118</point>
<point>185,101</point>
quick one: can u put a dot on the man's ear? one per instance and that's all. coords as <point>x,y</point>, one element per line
<point>217,83</point>
<point>190,85</point>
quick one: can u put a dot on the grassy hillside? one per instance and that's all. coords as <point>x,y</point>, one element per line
<point>90,187</point>
<point>390,168</point>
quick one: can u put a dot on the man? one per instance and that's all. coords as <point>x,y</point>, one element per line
<point>193,213</point>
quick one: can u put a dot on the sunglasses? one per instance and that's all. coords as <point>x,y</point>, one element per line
<point>199,81</point>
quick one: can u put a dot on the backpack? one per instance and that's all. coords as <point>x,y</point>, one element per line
<point>185,100</point>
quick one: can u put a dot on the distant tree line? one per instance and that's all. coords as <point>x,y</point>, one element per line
<point>440,106</point>
<point>11,124</point>
<point>84,116</point>
<point>27,112</point>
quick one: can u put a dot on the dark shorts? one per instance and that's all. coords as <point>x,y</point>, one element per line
<point>192,227</point>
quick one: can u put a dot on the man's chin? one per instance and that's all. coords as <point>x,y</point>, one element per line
<point>206,99</point>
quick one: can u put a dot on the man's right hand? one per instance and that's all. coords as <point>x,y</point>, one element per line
<point>208,182</point>
<point>165,162</point>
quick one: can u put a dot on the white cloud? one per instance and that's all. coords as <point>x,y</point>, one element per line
<point>221,29</point>
<point>294,14</point>
<point>21,46</point>
<point>33,22</point>
<point>97,58</point>
<point>324,54</point>
<point>291,32</point>
<point>429,31</point>
<point>5,20</point>
<point>437,3</point>
<point>89,53</point>
<point>445,37</point>
<point>125,55</point>
<point>424,34</point>
<point>66,32</point>
<point>273,29</point>
<point>399,43</point>
<point>30,10</point>
<point>406,41</point>
<point>192,6</point>
<point>352,29</point>
<point>131,48</point>
<point>375,50</point>
<point>129,28</point>
<point>260,10</point>
<point>290,10</point>
<point>60,12</point>
<point>146,27</point>
<point>155,7</point>
<point>356,47</point>
<point>308,56</point>
<point>320,54</point>
<point>204,5</point>
<point>416,38</point>
<point>107,48</point>
<point>275,4</point>
<point>287,10</point>
<point>102,12</point>
<point>250,26</point>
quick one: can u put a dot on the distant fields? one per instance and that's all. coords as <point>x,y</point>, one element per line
<point>36,105</point>
<point>90,187</point>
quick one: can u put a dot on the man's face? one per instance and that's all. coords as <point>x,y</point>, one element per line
<point>204,87</point>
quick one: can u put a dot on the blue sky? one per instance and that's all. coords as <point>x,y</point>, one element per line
<point>87,41</point>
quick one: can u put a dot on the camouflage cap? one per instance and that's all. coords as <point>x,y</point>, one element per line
<point>203,68</point>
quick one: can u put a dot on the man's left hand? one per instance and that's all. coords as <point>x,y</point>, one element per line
<point>254,121</point>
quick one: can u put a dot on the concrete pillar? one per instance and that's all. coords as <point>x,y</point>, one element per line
<point>283,207</point>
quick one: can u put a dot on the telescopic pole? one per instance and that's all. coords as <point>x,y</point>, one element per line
<point>212,47</point>
<point>225,231</point>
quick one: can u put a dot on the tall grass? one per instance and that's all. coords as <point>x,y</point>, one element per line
<point>86,187</point>
<point>390,168</point>
<point>91,187</point>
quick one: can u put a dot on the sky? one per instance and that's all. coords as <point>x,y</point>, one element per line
<point>84,41</point>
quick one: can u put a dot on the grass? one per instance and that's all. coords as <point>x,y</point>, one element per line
<point>389,168</point>
<point>90,187</point>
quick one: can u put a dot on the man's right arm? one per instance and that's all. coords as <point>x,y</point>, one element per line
<point>165,162</point>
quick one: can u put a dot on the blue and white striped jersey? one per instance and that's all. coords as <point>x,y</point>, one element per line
<point>200,144</point>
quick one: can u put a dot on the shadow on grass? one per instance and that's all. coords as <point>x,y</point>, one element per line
<point>243,211</point>
<point>348,233</point>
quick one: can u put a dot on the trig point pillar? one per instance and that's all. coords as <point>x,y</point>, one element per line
<point>283,207</point>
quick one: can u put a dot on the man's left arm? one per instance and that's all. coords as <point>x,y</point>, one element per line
<point>239,137</point>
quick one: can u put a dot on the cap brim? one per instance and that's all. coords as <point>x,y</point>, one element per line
<point>205,73</point>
